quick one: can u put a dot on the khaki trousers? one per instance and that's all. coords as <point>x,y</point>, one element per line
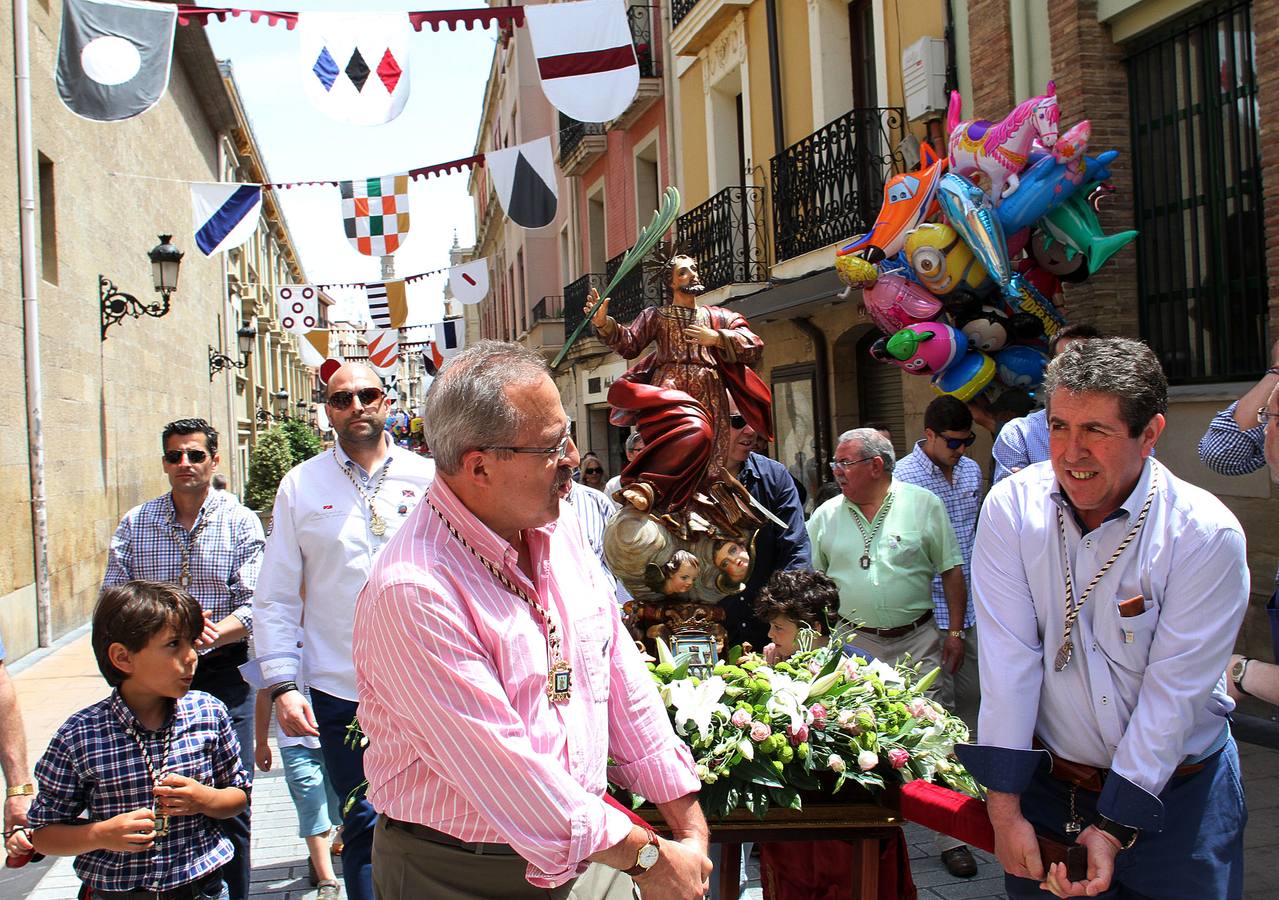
<point>408,867</point>
<point>960,692</point>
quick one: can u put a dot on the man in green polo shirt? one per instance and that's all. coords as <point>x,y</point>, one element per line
<point>882,541</point>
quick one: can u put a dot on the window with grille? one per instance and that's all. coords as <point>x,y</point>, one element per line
<point>1197,178</point>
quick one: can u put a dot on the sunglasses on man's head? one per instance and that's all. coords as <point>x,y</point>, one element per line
<point>368,396</point>
<point>956,443</point>
<point>173,457</point>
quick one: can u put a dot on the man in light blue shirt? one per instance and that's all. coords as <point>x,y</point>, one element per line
<point>1105,716</point>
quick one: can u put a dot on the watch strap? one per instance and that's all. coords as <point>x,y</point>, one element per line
<point>20,790</point>
<point>640,869</point>
<point>956,633</point>
<point>1124,834</point>
<point>1237,672</point>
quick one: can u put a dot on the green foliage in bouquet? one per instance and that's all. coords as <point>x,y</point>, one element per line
<point>761,734</point>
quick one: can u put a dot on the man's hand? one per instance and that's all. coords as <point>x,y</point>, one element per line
<point>131,832</point>
<point>1016,846</point>
<point>952,654</point>
<point>295,715</point>
<point>601,314</point>
<point>1102,850</point>
<point>262,756</point>
<point>209,636</point>
<point>700,334</point>
<point>178,795</point>
<point>682,873</point>
<point>15,816</point>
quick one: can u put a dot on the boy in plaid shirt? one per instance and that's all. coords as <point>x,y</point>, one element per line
<point>154,765</point>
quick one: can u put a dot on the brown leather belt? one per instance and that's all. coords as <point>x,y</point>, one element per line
<point>427,833</point>
<point>1092,778</point>
<point>899,630</point>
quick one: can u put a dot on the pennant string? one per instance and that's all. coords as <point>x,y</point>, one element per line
<point>502,16</point>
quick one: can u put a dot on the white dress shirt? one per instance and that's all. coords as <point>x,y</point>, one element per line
<point>321,548</point>
<point>1141,694</point>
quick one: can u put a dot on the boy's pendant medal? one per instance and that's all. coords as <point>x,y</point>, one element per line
<point>161,819</point>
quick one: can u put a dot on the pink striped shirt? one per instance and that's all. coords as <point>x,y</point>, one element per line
<point>451,671</point>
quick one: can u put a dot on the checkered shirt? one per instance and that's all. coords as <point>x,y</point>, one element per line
<point>375,213</point>
<point>962,499</point>
<point>1228,449</point>
<point>225,558</point>
<point>93,765</point>
<point>1022,442</point>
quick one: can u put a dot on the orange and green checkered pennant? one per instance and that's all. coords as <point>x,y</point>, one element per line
<point>375,213</point>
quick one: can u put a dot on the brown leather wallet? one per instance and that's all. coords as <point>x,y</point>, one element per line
<point>1133,606</point>
<point>1075,856</point>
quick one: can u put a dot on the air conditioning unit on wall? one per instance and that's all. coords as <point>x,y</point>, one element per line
<point>924,78</point>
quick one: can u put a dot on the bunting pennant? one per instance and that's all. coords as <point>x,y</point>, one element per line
<point>299,307</point>
<point>585,57</point>
<point>375,213</point>
<point>313,347</point>
<point>469,282</point>
<point>384,349</point>
<point>114,57</point>
<point>355,66</point>
<point>388,304</point>
<point>450,337</point>
<point>225,215</point>
<point>499,16</point>
<point>524,178</point>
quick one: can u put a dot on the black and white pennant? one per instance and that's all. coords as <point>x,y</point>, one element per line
<point>114,57</point>
<point>524,178</point>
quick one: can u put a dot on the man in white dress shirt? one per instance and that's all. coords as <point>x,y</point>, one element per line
<point>333,514</point>
<point>1109,593</point>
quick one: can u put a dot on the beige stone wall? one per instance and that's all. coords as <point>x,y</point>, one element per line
<point>104,402</point>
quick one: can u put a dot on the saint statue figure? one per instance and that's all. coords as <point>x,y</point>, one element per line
<point>677,396</point>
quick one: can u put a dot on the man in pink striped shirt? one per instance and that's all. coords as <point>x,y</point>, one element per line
<point>486,762</point>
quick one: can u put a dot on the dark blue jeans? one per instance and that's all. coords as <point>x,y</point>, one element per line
<point>1198,854</point>
<point>218,674</point>
<point>345,770</point>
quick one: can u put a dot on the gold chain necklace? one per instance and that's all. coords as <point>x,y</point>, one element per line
<point>1072,608</point>
<point>377,524</point>
<point>880,518</point>
<point>559,677</point>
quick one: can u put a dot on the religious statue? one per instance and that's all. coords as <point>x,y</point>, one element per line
<point>684,536</point>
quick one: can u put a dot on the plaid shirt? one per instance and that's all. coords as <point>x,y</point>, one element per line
<point>1229,450</point>
<point>225,557</point>
<point>962,499</point>
<point>94,764</point>
<point>1020,443</point>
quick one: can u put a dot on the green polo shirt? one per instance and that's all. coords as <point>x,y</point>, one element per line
<point>914,541</point>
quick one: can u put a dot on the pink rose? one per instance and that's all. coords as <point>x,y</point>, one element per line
<point>898,757</point>
<point>760,731</point>
<point>867,760</point>
<point>741,718</point>
<point>798,733</point>
<point>918,707</point>
<point>818,712</point>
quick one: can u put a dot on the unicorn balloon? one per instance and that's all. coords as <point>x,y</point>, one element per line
<point>1000,150</point>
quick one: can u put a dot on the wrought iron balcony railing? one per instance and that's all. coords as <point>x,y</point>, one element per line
<point>641,20</point>
<point>549,307</point>
<point>726,237</point>
<point>572,132</point>
<point>829,186</point>
<point>636,290</point>
<point>575,298</point>
<point>680,9</point>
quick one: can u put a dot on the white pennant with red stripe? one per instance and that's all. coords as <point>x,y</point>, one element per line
<point>469,282</point>
<point>585,57</point>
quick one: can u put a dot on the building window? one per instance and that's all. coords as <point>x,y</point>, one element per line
<point>879,393</point>
<point>648,188</point>
<point>795,424</point>
<point>595,231</point>
<point>1197,174</point>
<point>48,220</point>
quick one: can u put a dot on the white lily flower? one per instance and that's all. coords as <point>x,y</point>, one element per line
<point>697,703</point>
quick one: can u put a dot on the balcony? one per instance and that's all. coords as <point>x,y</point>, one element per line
<point>581,144</point>
<point>635,291</point>
<point>829,186</point>
<point>645,24</point>
<point>546,330</point>
<point>575,298</point>
<point>726,237</point>
<point>696,23</point>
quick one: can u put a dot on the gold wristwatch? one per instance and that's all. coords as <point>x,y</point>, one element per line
<point>20,790</point>
<point>956,633</point>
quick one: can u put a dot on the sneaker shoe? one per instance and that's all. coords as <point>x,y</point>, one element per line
<point>959,862</point>
<point>328,890</point>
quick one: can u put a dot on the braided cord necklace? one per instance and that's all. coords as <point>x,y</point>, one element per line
<point>157,775</point>
<point>186,544</point>
<point>1072,608</point>
<point>377,524</point>
<point>559,677</point>
<point>880,518</point>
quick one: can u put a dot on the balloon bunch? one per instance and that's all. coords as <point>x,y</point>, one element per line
<point>960,280</point>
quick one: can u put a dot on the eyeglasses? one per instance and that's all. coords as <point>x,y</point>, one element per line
<point>737,421</point>
<point>956,443</point>
<point>1264,416</point>
<point>838,464</point>
<point>559,451</point>
<point>368,396</point>
<point>592,471</point>
<point>173,457</point>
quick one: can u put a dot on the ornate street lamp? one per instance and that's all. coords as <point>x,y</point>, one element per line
<point>280,400</point>
<point>166,259</point>
<point>246,337</point>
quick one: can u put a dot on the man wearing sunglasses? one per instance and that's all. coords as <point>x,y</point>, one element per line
<point>208,544</point>
<point>333,514</point>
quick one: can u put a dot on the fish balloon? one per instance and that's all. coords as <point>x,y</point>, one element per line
<point>971,213</point>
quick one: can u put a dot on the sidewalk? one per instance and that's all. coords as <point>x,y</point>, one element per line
<point>66,679</point>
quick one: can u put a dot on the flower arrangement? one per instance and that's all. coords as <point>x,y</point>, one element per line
<point>763,733</point>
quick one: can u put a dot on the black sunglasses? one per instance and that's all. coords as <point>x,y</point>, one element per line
<point>368,396</point>
<point>173,457</point>
<point>593,471</point>
<point>956,443</point>
<point>737,421</point>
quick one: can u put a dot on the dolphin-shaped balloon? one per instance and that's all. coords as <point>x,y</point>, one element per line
<point>971,213</point>
<point>1045,186</point>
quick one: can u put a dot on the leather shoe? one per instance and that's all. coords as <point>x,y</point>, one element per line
<point>959,862</point>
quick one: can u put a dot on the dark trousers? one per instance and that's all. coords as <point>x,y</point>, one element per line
<point>1198,854</point>
<point>345,770</point>
<point>218,674</point>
